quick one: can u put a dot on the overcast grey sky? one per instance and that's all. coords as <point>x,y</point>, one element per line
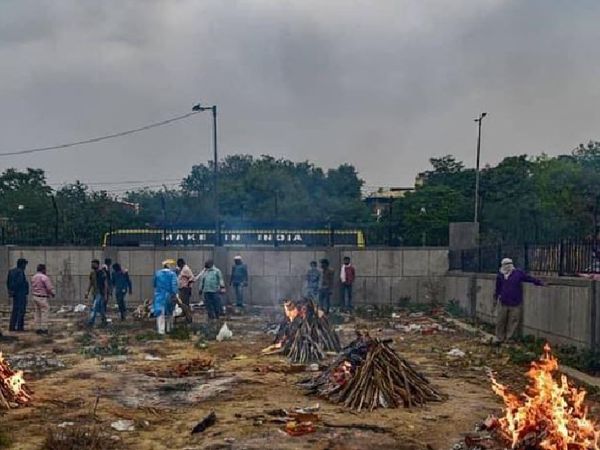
<point>381,84</point>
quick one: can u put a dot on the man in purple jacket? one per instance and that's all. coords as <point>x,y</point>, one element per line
<point>509,295</point>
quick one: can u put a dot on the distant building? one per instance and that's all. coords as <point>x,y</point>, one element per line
<point>381,198</point>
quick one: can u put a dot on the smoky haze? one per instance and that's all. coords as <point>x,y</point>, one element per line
<point>382,85</point>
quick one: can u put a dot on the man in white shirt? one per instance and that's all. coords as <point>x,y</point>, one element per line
<point>185,281</point>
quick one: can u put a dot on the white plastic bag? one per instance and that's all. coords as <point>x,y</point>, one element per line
<point>177,311</point>
<point>224,333</point>
<point>79,308</point>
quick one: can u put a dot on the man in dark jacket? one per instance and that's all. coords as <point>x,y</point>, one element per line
<point>122,284</point>
<point>18,289</point>
<point>326,286</point>
<point>239,280</point>
<point>509,298</point>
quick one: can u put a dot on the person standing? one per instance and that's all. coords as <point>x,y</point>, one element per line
<point>98,289</point>
<point>326,286</point>
<point>185,280</point>
<point>109,285</point>
<point>165,288</point>
<point>239,280</point>
<point>122,286</point>
<point>211,286</point>
<point>41,290</point>
<point>18,289</point>
<point>313,278</point>
<point>508,298</point>
<point>347,277</point>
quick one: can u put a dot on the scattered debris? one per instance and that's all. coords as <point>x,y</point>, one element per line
<point>370,374</point>
<point>205,423</point>
<point>360,426</point>
<point>76,438</point>
<point>31,362</point>
<point>143,311</point>
<point>13,391</point>
<point>192,368</point>
<point>66,424</point>
<point>79,308</point>
<point>456,353</point>
<point>290,368</point>
<point>113,345</point>
<point>224,333</point>
<point>152,358</point>
<point>295,428</point>
<point>123,425</point>
<point>65,309</point>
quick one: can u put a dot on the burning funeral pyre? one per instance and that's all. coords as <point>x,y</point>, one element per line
<point>305,334</point>
<point>369,374</point>
<point>13,391</point>
<point>550,415</point>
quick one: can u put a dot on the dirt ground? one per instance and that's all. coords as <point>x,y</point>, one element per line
<point>241,389</point>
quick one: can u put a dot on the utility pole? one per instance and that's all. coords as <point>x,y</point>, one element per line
<point>478,120</point>
<point>213,108</point>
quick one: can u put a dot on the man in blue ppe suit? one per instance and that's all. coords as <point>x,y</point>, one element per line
<point>165,288</point>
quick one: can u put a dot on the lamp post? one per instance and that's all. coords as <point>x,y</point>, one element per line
<point>478,120</point>
<point>213,108</point>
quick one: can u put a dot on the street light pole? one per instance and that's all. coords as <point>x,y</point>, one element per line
<point>478,120</point>
<point>213,108</point>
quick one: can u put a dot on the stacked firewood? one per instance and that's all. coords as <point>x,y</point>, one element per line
<point>369,374</point>
<point>308,336</point>
<point>13,391</point>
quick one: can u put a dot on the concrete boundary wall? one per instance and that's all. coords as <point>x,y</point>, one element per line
<point>384,275</point>
<point>564,312</point>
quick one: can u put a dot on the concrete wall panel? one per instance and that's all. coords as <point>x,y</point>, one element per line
<point>277,263</point>
<point>364,261</point>
<point>438,262</point>
<point>416,263</point>
<point>389,263</point>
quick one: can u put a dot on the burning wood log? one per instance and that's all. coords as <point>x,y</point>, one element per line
<point>550,415</point>
<point>369,374</point>
<point>305,335</point>
<point>13,391</point>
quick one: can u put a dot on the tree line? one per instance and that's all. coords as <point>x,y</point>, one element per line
<point>522,199</point>
<point>253,192</point>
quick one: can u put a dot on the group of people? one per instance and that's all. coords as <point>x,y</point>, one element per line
<point>18,288</point>
<point>320,283</point>
<point>105,281</point>
<point>175,281</point>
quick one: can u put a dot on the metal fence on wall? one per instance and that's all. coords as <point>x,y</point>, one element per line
<point>565,258</point>
<point>369,235</point>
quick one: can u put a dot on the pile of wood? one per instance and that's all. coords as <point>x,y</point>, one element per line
<point>13,392</point>
<point>369,374</point>
<point>308,335</point>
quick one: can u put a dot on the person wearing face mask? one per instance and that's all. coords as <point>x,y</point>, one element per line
<point>508,298</point>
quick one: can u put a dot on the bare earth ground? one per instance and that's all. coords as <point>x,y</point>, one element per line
<point>166,410</point>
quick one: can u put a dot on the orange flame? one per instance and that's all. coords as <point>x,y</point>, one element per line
<point>552,410</point>
<point>290,309</point>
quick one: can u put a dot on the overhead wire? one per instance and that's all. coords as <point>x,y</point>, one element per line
<point>99,138</point>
